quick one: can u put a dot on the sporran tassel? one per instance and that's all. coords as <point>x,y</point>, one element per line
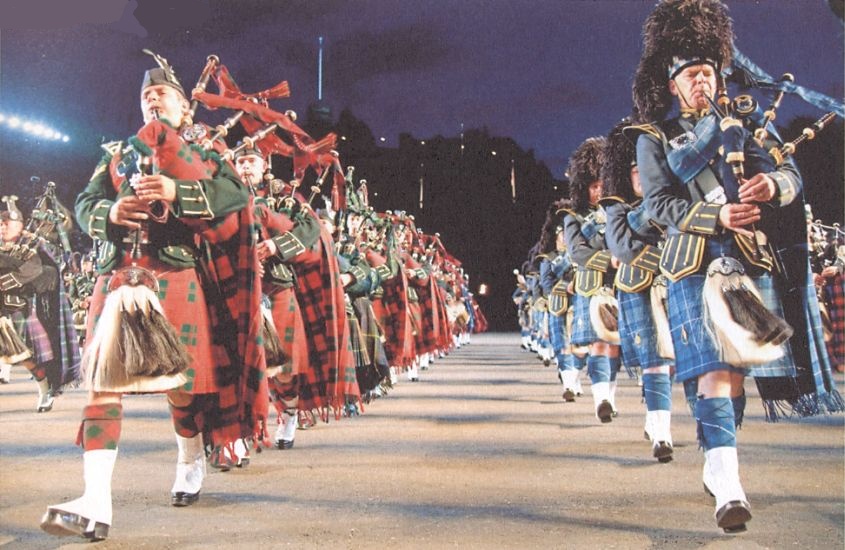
<point>747,310</point>
<point>659,296</point>
<point>742,328</point>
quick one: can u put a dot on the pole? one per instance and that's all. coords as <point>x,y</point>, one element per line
<point>320,71</point>
<point>513,183</point>
<point>421,185</point>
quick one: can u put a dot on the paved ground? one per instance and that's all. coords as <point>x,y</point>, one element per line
<point>480,453</point>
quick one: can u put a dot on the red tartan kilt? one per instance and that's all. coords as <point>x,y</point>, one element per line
<point>183,302</point>
<point>396,355</point>
<point>409,350</point>
<point>379,311</point>
<point>289,327</point>
<point>834,297</point>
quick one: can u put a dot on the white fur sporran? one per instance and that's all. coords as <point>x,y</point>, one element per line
<point>12,348</point>
<point>730,299</point>
<point>659,295</point>
<point>604,315</point>
<point>134,348</point>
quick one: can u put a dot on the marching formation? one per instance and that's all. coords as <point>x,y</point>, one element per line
<point>222,286</point>
<point>682,253</point>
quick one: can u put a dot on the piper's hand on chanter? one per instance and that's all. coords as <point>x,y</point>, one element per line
<point>735,217</point>
<point>266,249</point>
<point>156,187</point>
<point>129,212</point>
<point>760,188</point>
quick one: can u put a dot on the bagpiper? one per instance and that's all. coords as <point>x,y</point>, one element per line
<point>635,241</point>
<point>161,205</point>
<point>706,179</point>
<point>584,230</point>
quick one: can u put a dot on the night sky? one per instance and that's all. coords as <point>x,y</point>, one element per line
<point>547,73</point>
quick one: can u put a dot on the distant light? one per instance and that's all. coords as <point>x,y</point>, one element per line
<point>375,194</point>
<point>382,139</point>
<point>555,187</point>
<point>343,138</point>
<point>483,289</point>
<point>422,142</point>
<point>493,153</point>
<point>37,129</point>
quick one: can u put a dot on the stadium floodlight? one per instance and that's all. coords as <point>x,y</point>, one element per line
<point>37,129</point>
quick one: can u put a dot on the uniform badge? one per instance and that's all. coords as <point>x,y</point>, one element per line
<point>194,132</point>
<point>683,140</point>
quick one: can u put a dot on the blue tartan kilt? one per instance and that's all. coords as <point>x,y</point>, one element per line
<point>637,331</point>
<point>557,332</point>
<point>582,329</point>
<point>536,324</point>
<point>695,352</point>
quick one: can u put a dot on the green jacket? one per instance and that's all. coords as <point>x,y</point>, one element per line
<point>172,242</point>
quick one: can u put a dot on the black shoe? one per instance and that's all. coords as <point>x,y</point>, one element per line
<point>733,516</point>
<point>662,452</point>
<point>181,498</point>
<point>64,524</point>
<point>568,395</point>
<point>284,444</point>
<point>546,362</point>
<point>605,412</point>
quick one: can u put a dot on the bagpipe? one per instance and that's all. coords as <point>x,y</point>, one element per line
<point>827,244</point>
<point>50,221</point>
<point>135,338</point>
<point>744,329</point>
<point>261,123</point>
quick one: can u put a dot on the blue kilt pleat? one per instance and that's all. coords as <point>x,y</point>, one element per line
<point>582,329</point>
<point>637,331</point>
<point>557,332</point>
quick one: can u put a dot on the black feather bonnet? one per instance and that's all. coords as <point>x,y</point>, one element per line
<point>585,168</point>
<point>677,34</point>
<point>620,155</point>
